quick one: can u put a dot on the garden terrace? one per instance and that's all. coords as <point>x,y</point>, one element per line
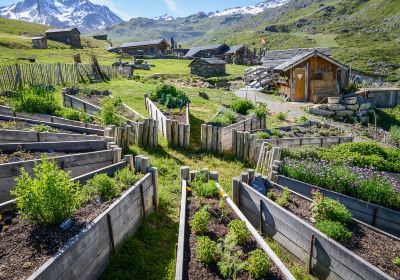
<point>98,228</point>
<point>17,136</point>
<point>310,129</point>
<point>291,226</point>
<point>223,213</point>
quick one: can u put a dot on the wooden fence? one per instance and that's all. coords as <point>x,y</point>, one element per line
<point>136,133</point>
<point>219,139</point>
<point>15,75</point>
<point>246,147</point>
<point>326,258</point>
<point>87,254</point>
<point>177,134</point>
<point>382,97</point>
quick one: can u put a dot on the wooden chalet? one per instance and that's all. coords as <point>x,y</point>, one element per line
<point>151,48</point>
<point>241,55</point>
<point>208,67</point>
<point>207,51</point>
<point>69,36</point>
<point>307,74</point>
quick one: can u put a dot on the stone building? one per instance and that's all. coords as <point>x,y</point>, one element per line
<point>39,42</point>
<point>208,67</point>
<point>151,48</point>
<point>240,55</point>
<point>69,36</point>
<point>307,74</point>
<point>207,51</point>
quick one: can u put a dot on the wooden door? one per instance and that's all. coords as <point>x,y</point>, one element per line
<point>299,84</point>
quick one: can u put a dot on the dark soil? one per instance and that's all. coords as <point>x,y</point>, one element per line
<point>218,228</point>
<point>373,246</point>
<point>173,114</point>
<point>23,156</point>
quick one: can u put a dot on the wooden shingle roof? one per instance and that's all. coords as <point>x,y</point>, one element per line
<point>144,43</point>
<point>211,60</point>
<point>272,59</point>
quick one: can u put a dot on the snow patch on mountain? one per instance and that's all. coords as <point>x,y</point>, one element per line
<point>164,17</point>
<point>255,9</point>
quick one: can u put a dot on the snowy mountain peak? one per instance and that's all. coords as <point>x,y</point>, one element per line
<point>62,13</point>
<point>255,9</point>
<point>164,17</point>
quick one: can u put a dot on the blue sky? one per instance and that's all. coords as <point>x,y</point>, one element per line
<point>151,8</point>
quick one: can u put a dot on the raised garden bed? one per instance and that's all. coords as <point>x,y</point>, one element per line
<point>76,164</point>
<point>310,129</point>
<point>291,227</point>
<point>222,213</point>
<point>17,136</point>
<point>83,250</point>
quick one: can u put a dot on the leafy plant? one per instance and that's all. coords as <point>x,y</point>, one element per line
<point>206,250</point>
<point>224,210</point>
<point>242,106</point>
<point>238,231</point>
<point>271,194</point>
<point>329,209</point>
<point>276,133</point>
<point>224,117</point>
<point>282,116</point>
<point>125,178</point>
<point>109,111</point>
<point>169,96</point>
<point>49,197</point>
<point>43,128</point>
<point>334,230</point>
<point>105,186</point>
<point>260,111</point>
<point>230,262</point>
<point>262,135</point>
<point>200,220</point>
<point>258,264</point>
<point>284,198</point>
<point>74,115</point>
<point>394,134</point>
<point>397,261</point>
<point>208,189</point>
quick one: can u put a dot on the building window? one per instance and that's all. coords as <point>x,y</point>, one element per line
<point>319,74</point>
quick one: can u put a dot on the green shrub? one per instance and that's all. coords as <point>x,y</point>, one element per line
<point>238,231</point>
<point>300,153</point>
<point>258,264</point>
<point>394,134</point>
<point>105,186</point>
<point>224,117</point>
<point>282,116</point>
<point>262,135</point>
<point>49,197</point>
<point>329,209</point>
<point>397,261</point>
<point>43,128</point>
<point>200,220</point>
<point>260,111</point>
<point>334,230</point>
<point>230,262</point>
<point>271,194</point>
<point>169,96</point>
<point>206,250</point>
<point>242,106</point>
<point>275,133</point>
<point>74,115</point>
<point>284,198</point>
<point>125,178</point>
<point>109,111</point>
<point>208,189</point>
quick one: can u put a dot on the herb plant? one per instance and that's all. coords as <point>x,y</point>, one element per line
<point>262,135</point>
<point>125,178</point>
<point>242,106</point>
<point>284,198</point>
<point>224,117</point>
<point>334,230</point>
<point>238,231</point>
<point>169,96</point>
<point>105,186</point>
<point>329,209</point>
<point>200,220</point>
<point>397,261</point>
<point>258,264</point>
<point>206,250</point>
<point>230,262</point>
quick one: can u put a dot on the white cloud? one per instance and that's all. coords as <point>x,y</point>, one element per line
<point>171,5</point>
<point>113,7</point>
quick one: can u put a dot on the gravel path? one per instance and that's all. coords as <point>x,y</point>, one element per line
<point>275,104</point>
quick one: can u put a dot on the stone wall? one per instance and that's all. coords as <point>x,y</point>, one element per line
<point>207,70</point>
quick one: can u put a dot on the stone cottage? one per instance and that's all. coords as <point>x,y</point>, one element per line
<point>157,47</point>
<point>207,51</point>
<point>69,36</point>
<point>208,67</point>
<point>39,42</point>
<point>240,55</point>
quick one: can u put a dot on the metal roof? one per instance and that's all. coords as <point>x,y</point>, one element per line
<point>61,30</point>
<point>143,43</point>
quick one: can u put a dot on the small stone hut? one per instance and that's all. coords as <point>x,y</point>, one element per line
<point>39,42</point>
<point>69,36</point>
<point>208,67</point>
<point>240,55</point>
<point>207,51</point>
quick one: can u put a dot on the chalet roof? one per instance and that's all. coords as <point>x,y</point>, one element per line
<point>234,49</point>
<point>193,51</point>
<point>143,43</point>
<point>272,59</point>
<point>60,30</point>
<point>211,60</point>
<point>296,60</point>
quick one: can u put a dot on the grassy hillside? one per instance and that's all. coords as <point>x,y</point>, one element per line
<point>362,33</point>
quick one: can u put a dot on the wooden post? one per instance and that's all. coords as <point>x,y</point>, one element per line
<point>214,139</point>
<point>236,190</point>
<point>234,142</point>
<point>311,252</point>
<point>244,177</point>
<point>150,140</point>
<point>110,231</point>
<point>18,80</point>
<point>145,164</point>
<point>169,131</point>
<point>246,144</point>
<point>146,132</point>
<point>181,134</point>
<point>186,141</point>
<point>185,173</point>
<point>261,216</point>
<point>220,149</point>
<point>117,155</point>
<point>175,133</point>
<point>138,163</point>
<point>142,200</point>
<point>140,133</point>
<point>209,137</point>
<point>129,160</point>
<point>60,73</point>
<point>252,148</point>
<point>154,174</point>
<point>204,137</point>
<point>193,175</point>
<point>155,134</point>
<point>251,175</point>
<point>213,175</point>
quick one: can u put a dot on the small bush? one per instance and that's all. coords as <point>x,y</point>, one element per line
<point>224,117</point>
<point>329,209</point>
<point>109,111</point>
<point>74,115</point>
<point>43,128</point>
<point>334,230</point>
<point>242,106</point>
<point>260,111</point>
<point>281,116</point>
<point>397,261</point>
<point>238,231</point>
<point>49,197</point>
<point>262,135</point>
<point>284,198</point>
<point>394,134</point>
<point>105,186</point>
<point>276,133</point>
<point>271,194</point>
<point>258,264</point>
<point>169,96</point>
<point>125,178</point>
<point>208,189</point>
<point>230,262</point>
<point>200,220</point>
<point>206,250</point>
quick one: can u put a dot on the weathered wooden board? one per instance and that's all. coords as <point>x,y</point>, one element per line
<point>17,136</point>
<point>380,217</point>
<point>66,146</point>
<point>330,260</point>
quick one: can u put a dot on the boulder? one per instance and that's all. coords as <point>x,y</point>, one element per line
<point>344,113</point>
<point>352,107</point>
<point>320,112</point>
<point>336,107</point>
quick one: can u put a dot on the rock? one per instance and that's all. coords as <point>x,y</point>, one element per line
<point>352,107</point>
<point>320,112</point>
<point>336,107</point>
<point>344,113</point>
<point>365,106</point>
